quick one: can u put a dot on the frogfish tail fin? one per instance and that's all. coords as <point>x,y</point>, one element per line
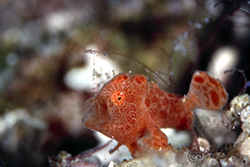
<point>206,92</point>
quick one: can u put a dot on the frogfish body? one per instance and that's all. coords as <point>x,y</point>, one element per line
<point>132,110</point>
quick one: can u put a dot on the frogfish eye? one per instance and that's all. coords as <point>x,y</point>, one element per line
<point>117,97</point>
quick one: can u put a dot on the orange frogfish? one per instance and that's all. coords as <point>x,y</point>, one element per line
<point>132,110</point>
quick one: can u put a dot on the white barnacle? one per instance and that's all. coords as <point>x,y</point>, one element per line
<point>239,113</point>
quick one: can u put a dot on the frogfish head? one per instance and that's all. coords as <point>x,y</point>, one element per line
<point>115,102</point>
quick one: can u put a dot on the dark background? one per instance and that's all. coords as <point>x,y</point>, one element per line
<point>36,106</point>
